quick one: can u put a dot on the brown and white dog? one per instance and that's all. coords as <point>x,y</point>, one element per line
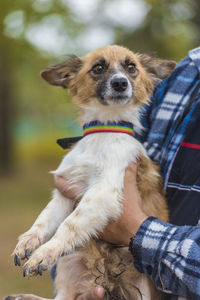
<point>109,85</point>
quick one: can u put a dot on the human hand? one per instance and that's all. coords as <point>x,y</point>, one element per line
<point>96,293</point>
<point>121,230</point>
<point>132,216</point>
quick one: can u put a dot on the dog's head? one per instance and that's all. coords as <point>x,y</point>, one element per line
<point>111,75</point>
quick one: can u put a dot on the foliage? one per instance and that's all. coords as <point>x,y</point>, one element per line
<point>170,29</point>
<point>37,33</point>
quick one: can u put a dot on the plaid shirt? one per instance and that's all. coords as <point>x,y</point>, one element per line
<point>170,254</point>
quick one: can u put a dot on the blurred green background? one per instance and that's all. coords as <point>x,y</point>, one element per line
<point>38,33</point>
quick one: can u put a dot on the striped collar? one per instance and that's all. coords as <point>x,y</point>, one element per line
<point>97,126</point>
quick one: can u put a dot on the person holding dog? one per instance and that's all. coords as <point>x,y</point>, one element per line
<point>167,252</point>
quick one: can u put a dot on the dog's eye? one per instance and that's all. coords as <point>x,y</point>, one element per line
<point>131,68</point>
<point>98,69</point>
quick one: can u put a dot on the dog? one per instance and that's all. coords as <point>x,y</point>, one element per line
<point>109,86</point>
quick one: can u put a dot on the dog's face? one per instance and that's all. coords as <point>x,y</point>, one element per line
<point>111,75</point>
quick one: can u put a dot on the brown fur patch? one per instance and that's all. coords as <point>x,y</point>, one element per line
<point>150,186</point>
<point>101,264</point>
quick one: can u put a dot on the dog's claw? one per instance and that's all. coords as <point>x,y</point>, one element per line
<point>25,272</point>
<point>40,270</point>
<point>17,260</point>
<point>27,253</point>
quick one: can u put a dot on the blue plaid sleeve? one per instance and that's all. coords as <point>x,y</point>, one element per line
<point>170,255</point>
<point>171,111</point>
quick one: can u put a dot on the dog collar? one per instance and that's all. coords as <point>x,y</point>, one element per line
<point>118,127</point>
<point>94,127</point>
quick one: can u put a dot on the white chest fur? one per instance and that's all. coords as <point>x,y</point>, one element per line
<point>100,156</point>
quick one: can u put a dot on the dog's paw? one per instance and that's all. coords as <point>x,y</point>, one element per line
<point>23,297</point>
<point>28,242</point>
<point>43,258</point>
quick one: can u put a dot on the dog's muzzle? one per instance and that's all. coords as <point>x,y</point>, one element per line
<point>117,90</point>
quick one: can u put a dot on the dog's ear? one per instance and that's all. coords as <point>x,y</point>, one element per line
<point>62,74</point>
<point>160,68</point>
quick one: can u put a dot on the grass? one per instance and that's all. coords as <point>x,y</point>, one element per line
<point>22,196</point>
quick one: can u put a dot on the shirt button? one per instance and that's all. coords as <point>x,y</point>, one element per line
<point>149,270</point>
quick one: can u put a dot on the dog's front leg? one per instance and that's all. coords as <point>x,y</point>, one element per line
<point>44,227</point>
<point>99,204</point>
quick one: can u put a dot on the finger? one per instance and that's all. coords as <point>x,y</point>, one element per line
<point>64,188</point>
<point>94,294</point>
<point>131,169</point>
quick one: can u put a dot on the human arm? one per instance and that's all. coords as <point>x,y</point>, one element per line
<point>164,250</point>
<point>170,255</point>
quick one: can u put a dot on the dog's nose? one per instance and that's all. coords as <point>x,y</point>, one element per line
<point>119,84</point>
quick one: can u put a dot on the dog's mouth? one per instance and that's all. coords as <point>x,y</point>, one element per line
<point>115,99</point>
